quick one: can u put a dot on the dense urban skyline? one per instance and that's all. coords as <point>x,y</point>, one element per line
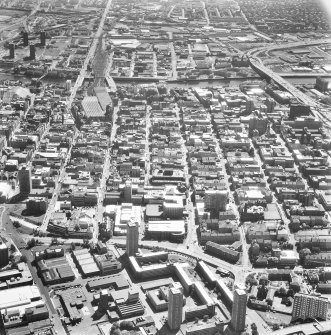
<point>165,167</point>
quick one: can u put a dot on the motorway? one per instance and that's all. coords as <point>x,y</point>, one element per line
<point>257,64</point>
<point>291,45</point>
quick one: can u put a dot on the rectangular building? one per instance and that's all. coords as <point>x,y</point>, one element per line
<point>306,306</point>
<point>175,310</point>
<point>238,320</point>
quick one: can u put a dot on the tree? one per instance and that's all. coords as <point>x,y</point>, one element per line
<point>251,152</point>
<point>275,326</point>
<point>12,248</point>
<point>85,243</point>
<point>16,224</point>
<point>251,280</point>
<point>23,259</point>
<point>282,291</point>
<point>115,329</point>
<point>127,325</point>
<point>54,241</point>
<point>290,293</point>
<point>303,253</point>
<point>31,243</point>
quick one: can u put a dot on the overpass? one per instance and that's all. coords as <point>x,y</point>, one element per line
<point>292,45</point>
<point>257,64</point>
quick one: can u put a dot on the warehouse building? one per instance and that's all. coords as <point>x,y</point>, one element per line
<point>85,263</point>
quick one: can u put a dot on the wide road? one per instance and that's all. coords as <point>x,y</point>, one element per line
<point>89,56</point>
<point>307,329</point>
<point>78,83</point>
<point>19,240</point>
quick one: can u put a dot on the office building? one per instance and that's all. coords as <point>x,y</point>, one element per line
<point>299,110</point>
<point>132,238</point>
<point>222,252</point>
<point>42,38</point>
<point>238,320</point>
<point>128,191</point>
<point>12,50</point>
<point>3,254</point>
<point>32,51</point>
<point>175,309</point>
<point>24,179</point>
<point>215,201</point>
<point>37,205</point>
<point>310,307</point>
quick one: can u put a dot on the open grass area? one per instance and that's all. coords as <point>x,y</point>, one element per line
<point>275,318</point>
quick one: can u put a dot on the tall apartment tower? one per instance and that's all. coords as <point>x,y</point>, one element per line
<point>68,85</point>
<point>215,201</point>
<point>103,302</point>
<point>32,51</point>
<point>25,36</point>
<point>238,320</point>
<point>128,191</point>
<point>306,306</point>
<point>175,308</point>
<point>132,238</point>
<point>24,179</point>
<point>12,50</point>
<point>42,38</point>
<point>4,258</point>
